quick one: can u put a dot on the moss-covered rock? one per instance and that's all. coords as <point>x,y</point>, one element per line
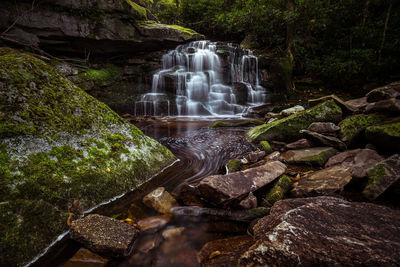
<point>59,144</point>
<point>353,127</point>
<point>287,129</point>
<point>385,137</point>
<point>278,191</point>
<point>245,123</point>
<point>234,165</point>
<point>164,31</point>
<point>265,146</point>
<point>311,156</point>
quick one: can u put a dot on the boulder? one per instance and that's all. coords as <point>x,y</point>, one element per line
<point>385,92</point>
<point>250,202</point>
<point>325,231</point>
<point>278,191</point>
<point>160,200</point>
<point>358,104</point>
<point>266,147</point>
<point>59,144</point>
<point>172,232</point>
<point>287,129</point>
<point>292,110</point>
<point>223,188</point>
<point>224,252</point>
<point>329,181</point>
<point>323,127</point>
<point>348,109</point>
<point>300,144</point>
<point>85,257</point>
<point>154,222</point>
<point>357,161</point>
<point>240,90</point>
<point>234,165</point>
<point>255,156</point>
<point>381,176</point>
<point>314,156</point>
<point>323,139</point>
<point>391,105</point>
<point>104,235</point>
<point>352,128</point>
<point>385,137</point>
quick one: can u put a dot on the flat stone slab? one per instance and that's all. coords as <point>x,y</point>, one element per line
<point>381,176</point>
<point>325,231</point>
<point>325,182</point>
<point>222,188</point>
<point>356,160</point>
<point>300,144</point>
<point>104,235</point>
<point>314,156</point>
<point>324,140</point>
<point>323,127</point>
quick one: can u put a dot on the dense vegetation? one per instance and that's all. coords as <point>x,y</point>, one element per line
<point>345,42</point>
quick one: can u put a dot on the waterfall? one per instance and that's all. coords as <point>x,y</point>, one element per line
<point>193,81</point>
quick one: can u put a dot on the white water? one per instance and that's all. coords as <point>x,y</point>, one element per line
<point>193,75</point>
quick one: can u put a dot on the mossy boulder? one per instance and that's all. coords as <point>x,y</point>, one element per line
<point>316,156</point>
<point>234,165</point>
<point>265,146</point>
<point>246,123</point>
<point>352,128</point>
<point>287,129</point>
<point>59,144</point>
<point>278,191</point>
<point>385,137</point>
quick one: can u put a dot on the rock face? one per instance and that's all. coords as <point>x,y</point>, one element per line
<point>325,182</point>
<point>385,137</point>
<point>382,176</point>
<point>301,232</point>
<point>58,145</point>
<point>287,129</point>
<point>314,156</point>
<point>104,235</point>
<point>357,161</point>
<point>160,200</point>
<point>323,139</point>
<point>391,105</point>
<point>99,26</point>
<point>385,92</point>
<point>223,188</point>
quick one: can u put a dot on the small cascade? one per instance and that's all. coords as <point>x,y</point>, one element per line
<point>193,82</point>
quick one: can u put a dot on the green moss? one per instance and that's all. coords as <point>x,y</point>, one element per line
<point>237,124</point>
<point>278,191</point>
<point>108,74</point>
<point>352,128</point>
<point>234,165</point>
<point>385,137</point>
<point>170,29</point>
<point>266,146</point>
<point>320,158</point>
<point>375,175</point>
<point>140,12</point>
<point>287,129</point>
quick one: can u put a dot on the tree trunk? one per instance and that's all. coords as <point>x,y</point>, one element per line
<point>365,13</point>
<point>384,31</point>
<point>290,42</point>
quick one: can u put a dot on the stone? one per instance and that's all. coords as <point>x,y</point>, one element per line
<point>325,231</point>
<point>357,161</point>
<point>255,156</point>
<point>104,235</point>
<point>240,90</point>
<point>385,137</point>
<point>154,222</point>
<point>273,156</point>
<point>358,104</point>
<point>234,165</point>
<point>348,109</point>
<point>323,127</point>
<point>381,176</point>
<point>391,105</point>
<point>292,110</point>
<point>352,128</point>
<point>300,144</point>
<point>287,129</point>
<point>224,252</point>
<point>250,202</point>
<point>278,191</point>
<point>329,181</point>
<point>314,156</point>
<point>266,147</point>
<point>160,200</point>
<point>172,232</point>
<point>223,188</point>
<point>84,257</point>
<point>323,139</point>
<point>385,92</point>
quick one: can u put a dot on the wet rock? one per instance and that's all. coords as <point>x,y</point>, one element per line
<point>325,231</point>
<point>249,202</point>
<point>223,188</point>
<point>385,137</point>
<point>391,105</point>
<point>314,156</point>
<point>292,110</point>
<point>154,222</point>
<point>240,90</point>
<point>273,156</point>
<point>136,212</point>
<point>197,213</point>
<point>172,232</point>
<point>352,128</point>
<point>255,156</point>
<point>357,161</point>
<point>234,165</point>
<point>278,191</point>
<point>300,144</point>
<point>358,104</point>
<point>385,92</point>
<point>323,127</point>
<point>224,252</point>
<point>266,147</point>
<point>160,200</point>
<point>246,123</point>
<point>287,129</point>
<point>104,235</point>
<point>85,257</point>
<point>147,243</point>
<point>348,109</point>
<point>273,116</point>
<point>189,196</point>
<point>279,146</point>
<point>381,176</point>
<point>324,140</point>
<point>327,181</point>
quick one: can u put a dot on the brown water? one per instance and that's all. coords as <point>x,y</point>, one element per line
<point>201,152</point>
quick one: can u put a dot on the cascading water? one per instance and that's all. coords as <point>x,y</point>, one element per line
<point>194,82</point>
